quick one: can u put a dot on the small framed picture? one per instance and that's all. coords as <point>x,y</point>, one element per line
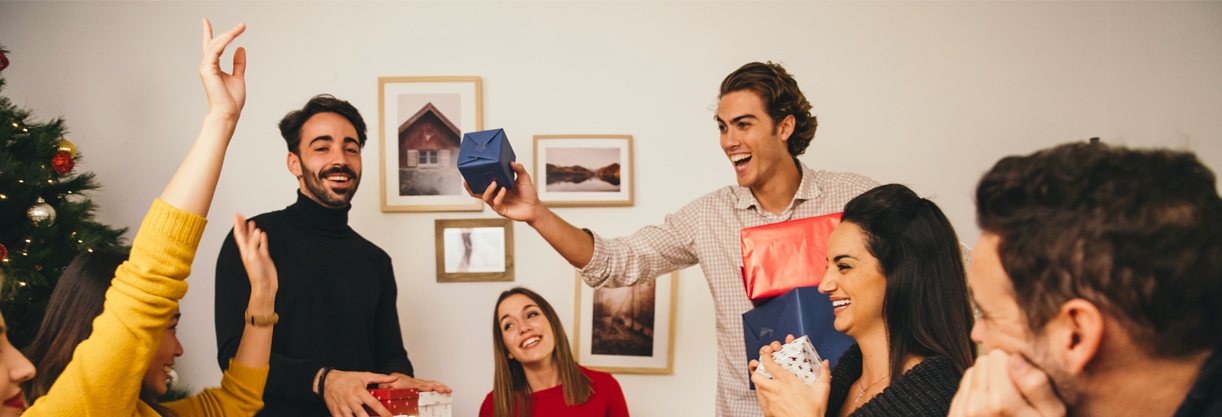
<point>422,121</point>
<point>474,250</point>
<point>584,170</point>
<point>628,329</point>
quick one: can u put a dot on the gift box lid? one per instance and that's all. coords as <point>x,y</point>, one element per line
<point>802,311</point>
<point>386,394</point>
<point>484,156</point>
<point>433,398</point>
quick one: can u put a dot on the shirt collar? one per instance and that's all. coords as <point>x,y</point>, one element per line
<point>807,190</point>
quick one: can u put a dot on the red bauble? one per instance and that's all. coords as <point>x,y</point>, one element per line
<point>62,162</point>
<point>3,252</point>
<point>3,61</point>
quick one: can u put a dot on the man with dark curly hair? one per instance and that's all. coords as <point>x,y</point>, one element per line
<point>1098,276</point>
<point>765,123</point>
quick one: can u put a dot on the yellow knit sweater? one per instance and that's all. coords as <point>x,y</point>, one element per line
<point>103,379</point>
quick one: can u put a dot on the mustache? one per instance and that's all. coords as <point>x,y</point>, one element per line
<point>337,170</point>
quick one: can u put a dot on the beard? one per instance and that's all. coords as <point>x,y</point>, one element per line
<point>327,195</point>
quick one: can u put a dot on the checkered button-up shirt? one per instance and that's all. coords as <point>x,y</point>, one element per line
<point>706,232</point>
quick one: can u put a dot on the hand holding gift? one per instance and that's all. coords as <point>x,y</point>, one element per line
<point>786,393</point>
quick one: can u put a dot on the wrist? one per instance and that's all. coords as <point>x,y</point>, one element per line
<point>542,216</point>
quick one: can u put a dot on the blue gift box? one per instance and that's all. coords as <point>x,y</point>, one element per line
<point>800,311</point>
<point>485,156</point>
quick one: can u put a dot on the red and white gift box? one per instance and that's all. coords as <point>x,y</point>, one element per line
<point>402,402</point>
<point>782,256</point>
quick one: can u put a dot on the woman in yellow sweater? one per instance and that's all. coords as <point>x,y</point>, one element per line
<point>107,372</point>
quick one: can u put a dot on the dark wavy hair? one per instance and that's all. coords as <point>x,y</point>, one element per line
<point>510,391</point>
<point>290,125</point>
<point>926,307</point>
<point>1138,233</point>
<point>78,299</point>
<point>782,97</point>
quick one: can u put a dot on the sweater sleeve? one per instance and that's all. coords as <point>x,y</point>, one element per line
<point>391,356</point>
<point>104,376</point>
<point>240,394</point>
<point>287,377</point>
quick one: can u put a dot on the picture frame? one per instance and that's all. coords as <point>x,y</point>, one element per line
<point>474,250</point>
<point>421,122</point>
<point>613,332</point>
<point>569,182</point>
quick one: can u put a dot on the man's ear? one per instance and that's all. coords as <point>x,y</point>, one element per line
<point>1077,331</point>
<point>294,163</point>
<point>785,128</point>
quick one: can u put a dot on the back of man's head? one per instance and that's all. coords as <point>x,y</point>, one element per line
<point>1138,233</point>
<point>781,96</point>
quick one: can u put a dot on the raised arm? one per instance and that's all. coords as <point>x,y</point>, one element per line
<point>256,345</point>
<point>104,375</point>
<point>522,204</point>
<point>192,187</point>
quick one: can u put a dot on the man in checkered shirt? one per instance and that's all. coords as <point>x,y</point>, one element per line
<point>765,123</point>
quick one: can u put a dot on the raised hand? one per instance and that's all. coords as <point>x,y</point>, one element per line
<point>1001,384</point>
<point>521,203</point>
<point>252,245</point>
<point>226,92</point>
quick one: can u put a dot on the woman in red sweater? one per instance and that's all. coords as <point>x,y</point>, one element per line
<point>535,371</point>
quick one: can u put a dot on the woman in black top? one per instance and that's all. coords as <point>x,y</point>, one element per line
<point>898,287</point>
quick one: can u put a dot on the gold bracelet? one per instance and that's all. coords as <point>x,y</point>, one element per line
<point>262,321</point>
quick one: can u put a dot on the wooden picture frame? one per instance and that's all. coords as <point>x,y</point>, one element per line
<point>644,327</point>
<point>584,170</point>
<point>421,121</point>
<point>474,250</point>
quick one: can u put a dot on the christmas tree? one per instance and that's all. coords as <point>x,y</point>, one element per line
<point>45,220</point>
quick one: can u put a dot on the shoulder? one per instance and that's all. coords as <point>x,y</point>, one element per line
<point>935,375</point>
<point>842,180</point>
<point>485,409</point>
<point>599,378</point>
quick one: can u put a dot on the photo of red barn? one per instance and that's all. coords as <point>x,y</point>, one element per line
<point>428,151</point>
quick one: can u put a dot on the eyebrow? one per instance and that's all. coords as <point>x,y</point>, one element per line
<point>523,309</point>
<point>839,257</point>
<point>328,138</point>
<point>736,119</point>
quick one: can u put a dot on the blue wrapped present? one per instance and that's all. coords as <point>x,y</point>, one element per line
<point>485,156</point>
<point>802,311</point>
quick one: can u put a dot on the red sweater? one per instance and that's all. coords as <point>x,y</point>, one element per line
<point>607,400</point>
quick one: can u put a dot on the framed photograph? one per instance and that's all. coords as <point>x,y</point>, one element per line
<point>584,170</point>
<point>421,123</point>
<point>629,329</point>
<point>474,250</point>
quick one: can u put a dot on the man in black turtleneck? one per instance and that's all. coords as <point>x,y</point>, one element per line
<point>338,328</point>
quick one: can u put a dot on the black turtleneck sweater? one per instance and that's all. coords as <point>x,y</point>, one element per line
<point>336,303</point>
<point>925,390</point>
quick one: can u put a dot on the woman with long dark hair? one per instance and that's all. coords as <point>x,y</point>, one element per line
<point>898,287</point>
<point>536,374</point>
<point>110,338</point>
<point>15,369</point>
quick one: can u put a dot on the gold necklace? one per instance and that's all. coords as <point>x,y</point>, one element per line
<point>863,390</point>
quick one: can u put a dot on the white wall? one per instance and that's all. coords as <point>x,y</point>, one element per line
<point>927,94</point>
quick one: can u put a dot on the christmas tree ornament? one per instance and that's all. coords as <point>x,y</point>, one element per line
<point>62,162</point>
<point>42,213</point>
<point>3,252</point>
<point>66,146</point>
<point>3,60</point>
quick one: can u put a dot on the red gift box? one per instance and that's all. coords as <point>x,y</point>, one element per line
<point>782,256</point>
<point>400,401</point>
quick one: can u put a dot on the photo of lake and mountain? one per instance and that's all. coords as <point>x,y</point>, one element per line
<point>583,170</point>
